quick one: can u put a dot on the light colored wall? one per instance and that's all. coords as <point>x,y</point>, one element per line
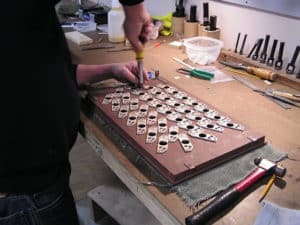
<point>233,19</point>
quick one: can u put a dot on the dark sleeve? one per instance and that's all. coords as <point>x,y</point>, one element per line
<point>130,2</point>
<point>73,73</point>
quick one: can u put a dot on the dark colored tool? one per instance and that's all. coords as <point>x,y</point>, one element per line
<point>205,14</point>
<point>253,48</point>
<point>243,44</point>
<point>201,74</point>
<point>180,10</point>
<point>279,61</point>
<point>193,13</point>
<point>291,65</point>
<point>259,43</point>
<point>259,72</point>
<point>140,63</point>
<point>270,60</point>
<point>234,193</point>
<point>213,23</point>
<point>263,55</point>
<point>237,42</point>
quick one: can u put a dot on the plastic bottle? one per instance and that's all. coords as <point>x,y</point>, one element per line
<point>115,21</point>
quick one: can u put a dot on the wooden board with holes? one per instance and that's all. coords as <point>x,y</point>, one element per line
<point>178,134</point>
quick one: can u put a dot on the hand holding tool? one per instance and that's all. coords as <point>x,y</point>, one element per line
<point>259,72</point>
<point>140,63</point>
<point>232,194</point>
<point>197,73</point>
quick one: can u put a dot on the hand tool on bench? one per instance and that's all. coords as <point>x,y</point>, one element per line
<point>230,196</point>
<point>196,73</point>
<point>193,71</point>
<point>290,69</point>
<point>270,60</point>
<point>279,61</point>
<point>282,101</point>
<point>259,72</point>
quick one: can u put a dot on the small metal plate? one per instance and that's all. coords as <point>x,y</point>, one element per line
<point>141,126</point>
<point>162,125</point>
<point>182,108</point>
<point>173,133</point>
<point>162,145</point>
<point>126,98</point>
<point>143,110</point>
<point>230,125</point>
<point>107,99</point>
<point>175,116</point>
<point>134,104</point>
<point>187,125</point>
<point>132,118</point>
<point>123,111</point>
<point>152,118</point>
<point>199,133</point>
<point>185,142</point>
<point>164,109</point>
<point>151,135</point>
<point>115,104</point>
<point>210,126</point>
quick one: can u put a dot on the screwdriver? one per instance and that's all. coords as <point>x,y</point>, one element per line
<point>140,63</point>
<point>259,72</point>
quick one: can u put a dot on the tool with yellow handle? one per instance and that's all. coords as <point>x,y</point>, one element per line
<point>259,72</point>
<point>139,59</point>
<point>286,95</point>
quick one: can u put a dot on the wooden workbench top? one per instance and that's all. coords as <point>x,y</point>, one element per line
<point>280,126</point>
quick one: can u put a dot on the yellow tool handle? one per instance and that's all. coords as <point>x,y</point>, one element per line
<point>262,73</point>
<point>139,56</point>
<point>286,95</point>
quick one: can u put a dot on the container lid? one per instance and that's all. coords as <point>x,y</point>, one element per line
<point>116,4</point>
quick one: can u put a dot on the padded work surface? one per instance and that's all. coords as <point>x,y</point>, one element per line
<point>175,164</point>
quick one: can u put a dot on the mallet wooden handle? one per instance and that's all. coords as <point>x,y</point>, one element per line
<point>262,73</point>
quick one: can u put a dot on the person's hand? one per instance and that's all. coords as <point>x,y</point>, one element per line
<point>127,72</point>
<point>138,25</point>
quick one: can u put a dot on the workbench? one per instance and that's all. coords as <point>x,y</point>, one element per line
<point>281,128</point>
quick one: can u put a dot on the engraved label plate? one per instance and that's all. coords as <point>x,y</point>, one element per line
<point>163,96</point>
<point>119,90</point>
<point>126,98</point>
<point>107,99</point>
<point>131,120</point>
<point>181,95</point>
<point>151,135</point>
<point>164,109</point>
<point>172,90</point>
<point>190,101</point>
<point>154,102</point>
<point>141,126</point>
<point>115,104</point>
<point>230,125</point>
<point>187,125</point>
<point>162,125</point>
<point>210,126</point>
<point>144,96</point>
<point>134,103</point>
<point>162,145</point>
<point>172,102</point>
<point>183,108</point>
<point>185,142</point>
<point>197,116</point>
<point>199,133</point>
<point>215,116</point>
<point>123,111</point>
<point>173,133</point>
<point>137,91</point>
<point>143,110</point>
<point>152,118</point>
<point>201,107</point>
<point>175,116</point>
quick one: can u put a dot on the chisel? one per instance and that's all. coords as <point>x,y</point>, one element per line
<point>259,72</point>
<point>140,64</point>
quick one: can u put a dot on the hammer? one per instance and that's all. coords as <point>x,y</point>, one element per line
<point>264,168</point>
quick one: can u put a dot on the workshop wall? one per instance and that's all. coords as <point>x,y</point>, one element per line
<point>233,19</point>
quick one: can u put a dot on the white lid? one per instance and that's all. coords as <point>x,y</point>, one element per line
<point>116,4</point>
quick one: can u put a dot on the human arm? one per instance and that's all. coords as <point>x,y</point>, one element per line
<point>137,23</point>
<point>124,72</point>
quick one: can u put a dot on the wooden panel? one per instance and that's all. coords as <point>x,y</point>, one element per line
<point>175,164</point>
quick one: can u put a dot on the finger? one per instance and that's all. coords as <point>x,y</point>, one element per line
<point>129,76</point>
<point>145,74</point>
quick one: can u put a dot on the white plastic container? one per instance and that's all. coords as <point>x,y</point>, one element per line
<point>202,50</point>
<point>115,22</point>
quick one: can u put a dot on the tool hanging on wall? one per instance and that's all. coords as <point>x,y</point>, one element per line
<point>279,61</point>
<point>237,42</point>
<point>290,69</point>
<point>263,55</point>
<point>231,196</point>
<point>270,60</point>
<point>256,53</point>
<point>253,48</point>
<point>243,44</point>
<point>205,14</point>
